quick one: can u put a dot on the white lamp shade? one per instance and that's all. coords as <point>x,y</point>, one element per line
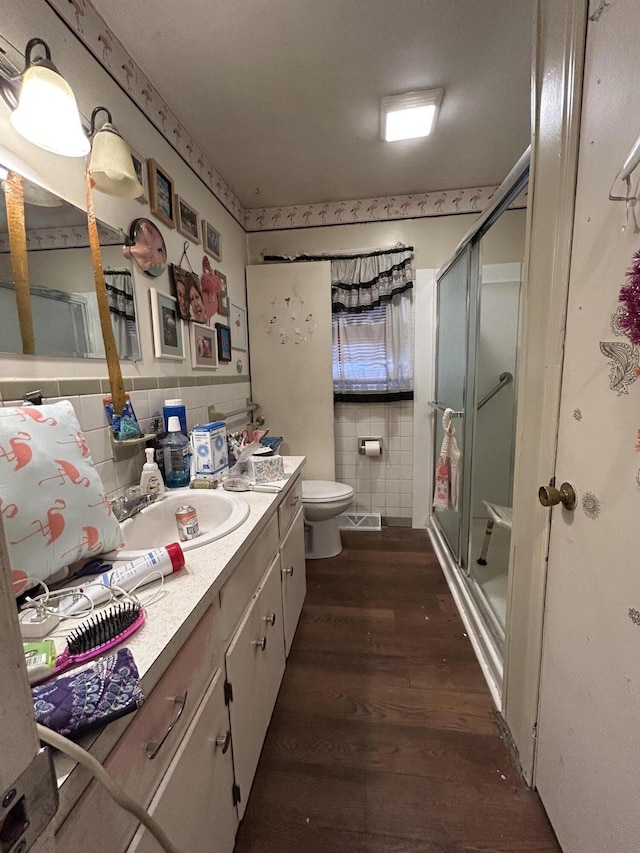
<point>111,166</point>
<point>47,113</point>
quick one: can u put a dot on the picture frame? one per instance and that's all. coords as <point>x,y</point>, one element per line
<point>167,326</point>
<point>223,296</point>
<point>140,168</point>
<point>187,219</point>
<point>211,240</point>
<point>238,324</point>
<point>204,347</point>
<point>224,342</point>
<point>161,194</point>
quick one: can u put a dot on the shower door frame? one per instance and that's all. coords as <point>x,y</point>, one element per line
<point>481,628</point>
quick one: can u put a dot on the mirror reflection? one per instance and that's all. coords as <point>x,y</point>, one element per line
<point>63,299</point>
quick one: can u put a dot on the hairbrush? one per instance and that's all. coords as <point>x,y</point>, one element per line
<point>98,634</point>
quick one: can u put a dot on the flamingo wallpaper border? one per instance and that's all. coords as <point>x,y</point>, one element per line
<point>83,20</point>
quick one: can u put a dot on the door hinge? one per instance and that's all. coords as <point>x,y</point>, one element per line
<point>534,730</point>
<point>228,692</point>
<point>235,793</point>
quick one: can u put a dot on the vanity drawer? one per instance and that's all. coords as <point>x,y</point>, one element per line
<point>288,508</point>
<point>238,591</point>
<point>129,763</point>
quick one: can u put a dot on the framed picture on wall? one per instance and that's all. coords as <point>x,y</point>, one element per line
<point>187,220</point>
<point>167,326</point>
<point>223,296</point>
<point>224,342</point>
<point>161,194</point>
<point>211,240</point>
<point>238,323</point>
<point>204,346</point>
<point>140,167</point>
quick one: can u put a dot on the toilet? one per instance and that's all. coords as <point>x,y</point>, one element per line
<point>323,501</point>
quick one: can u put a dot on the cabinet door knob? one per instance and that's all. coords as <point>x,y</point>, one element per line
<point>261,643</point>
<point>288,571</point>
<point>270,619</point>
<point>223,741</point>
<point>179,702</point>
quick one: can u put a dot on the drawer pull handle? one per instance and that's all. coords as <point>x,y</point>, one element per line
<point>288,571</point>
<point>270,619</point>
<point>179,702</point>
<point>261,643</point>
<point>223,741</point>
<point>296,500</point>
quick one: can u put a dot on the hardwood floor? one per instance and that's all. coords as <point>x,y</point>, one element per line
<point>383,738</point>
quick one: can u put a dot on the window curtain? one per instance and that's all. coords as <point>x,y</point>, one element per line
<point>373,326</point>
<point>123,313</point>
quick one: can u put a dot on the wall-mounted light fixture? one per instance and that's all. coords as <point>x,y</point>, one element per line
<point>44,108</point>
<point>111,165</point>
<point>409,116</point>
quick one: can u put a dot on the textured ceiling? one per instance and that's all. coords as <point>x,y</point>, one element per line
<point>283,95</point>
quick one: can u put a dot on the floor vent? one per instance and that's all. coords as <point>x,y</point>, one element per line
<point>360,521</point>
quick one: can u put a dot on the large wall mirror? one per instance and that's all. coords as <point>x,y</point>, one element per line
<point>62,287</point>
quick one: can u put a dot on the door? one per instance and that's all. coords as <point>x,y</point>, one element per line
<point>194,802</point>
<point>294,578</point>
<point>452,376</point>
<point>289,308</point>
<point>255,665</point>
<point>588,758</point>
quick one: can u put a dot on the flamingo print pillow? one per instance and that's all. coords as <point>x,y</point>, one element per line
<point>54,507</point>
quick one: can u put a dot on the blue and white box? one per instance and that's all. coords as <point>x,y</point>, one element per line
<point>210,453</point>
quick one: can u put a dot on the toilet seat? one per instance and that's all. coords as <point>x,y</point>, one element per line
<point>321,491</point>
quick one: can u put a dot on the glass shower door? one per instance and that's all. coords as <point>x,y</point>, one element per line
<point>451,389</point>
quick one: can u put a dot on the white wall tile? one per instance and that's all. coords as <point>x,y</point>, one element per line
<point>107,473</point>
<point>92,413</point>
<point>99,441</point>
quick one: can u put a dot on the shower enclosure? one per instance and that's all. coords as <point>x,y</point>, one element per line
<point>478,299</point>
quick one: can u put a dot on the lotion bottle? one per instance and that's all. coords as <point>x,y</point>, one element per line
<point>151,479</point>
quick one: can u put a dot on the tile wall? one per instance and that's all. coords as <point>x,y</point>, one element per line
<point>382,484</point>
<point>121,467</point>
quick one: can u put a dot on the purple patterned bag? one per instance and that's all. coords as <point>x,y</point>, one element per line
<point>91,697</point>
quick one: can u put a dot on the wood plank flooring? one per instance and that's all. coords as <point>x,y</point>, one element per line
<point>383,738</point>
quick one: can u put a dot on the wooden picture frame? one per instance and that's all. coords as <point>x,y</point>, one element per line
<point>211,240</point>
<point>238,324</point>
<point>161,194</point>
<point>224,342</point>
<point>204,346</point>
<point>187,219</point>
<point>167,326</point>
<point>223,296</point>
<point>140,168</point>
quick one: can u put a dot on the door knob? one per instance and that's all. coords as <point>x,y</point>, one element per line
<point>550,496</point>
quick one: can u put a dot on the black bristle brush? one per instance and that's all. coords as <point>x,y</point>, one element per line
<point>98,634</point>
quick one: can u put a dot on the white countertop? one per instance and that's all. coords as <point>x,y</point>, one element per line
<point>187,595</point>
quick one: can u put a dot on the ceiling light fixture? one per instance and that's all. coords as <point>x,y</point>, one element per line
<point>409,116</point>
<point>44,107</point>
<point>111,165</point>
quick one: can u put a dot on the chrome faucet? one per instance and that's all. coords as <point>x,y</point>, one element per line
<point>126,506</point>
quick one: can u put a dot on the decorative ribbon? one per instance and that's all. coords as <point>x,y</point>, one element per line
<point>116,381</point>
<point>14,197</point>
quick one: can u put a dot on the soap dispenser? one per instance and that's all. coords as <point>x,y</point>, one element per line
<point>151,479</point>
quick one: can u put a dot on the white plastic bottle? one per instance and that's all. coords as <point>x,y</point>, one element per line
<point>151,478</point>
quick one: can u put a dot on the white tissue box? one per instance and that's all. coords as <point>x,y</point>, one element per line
<point>209,443</point>
<point>265,469</point>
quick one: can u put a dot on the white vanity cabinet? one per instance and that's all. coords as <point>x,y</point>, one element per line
<point>255,664</point>
<point>194,802</point>
<point>189,754</point>
<point>294,577</point>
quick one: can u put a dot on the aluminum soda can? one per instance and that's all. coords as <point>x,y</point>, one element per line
<point>187,522</point>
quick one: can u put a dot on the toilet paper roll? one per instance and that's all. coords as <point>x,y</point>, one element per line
<point>372,448</point>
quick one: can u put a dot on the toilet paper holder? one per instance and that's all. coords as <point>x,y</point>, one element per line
<point>362,440</point>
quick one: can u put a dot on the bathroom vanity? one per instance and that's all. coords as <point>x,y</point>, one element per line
<point>211,658</point>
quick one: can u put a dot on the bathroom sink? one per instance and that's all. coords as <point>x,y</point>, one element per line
<point>219,513</point>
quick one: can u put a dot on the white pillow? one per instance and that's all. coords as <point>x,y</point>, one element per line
<point>54,506</point>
